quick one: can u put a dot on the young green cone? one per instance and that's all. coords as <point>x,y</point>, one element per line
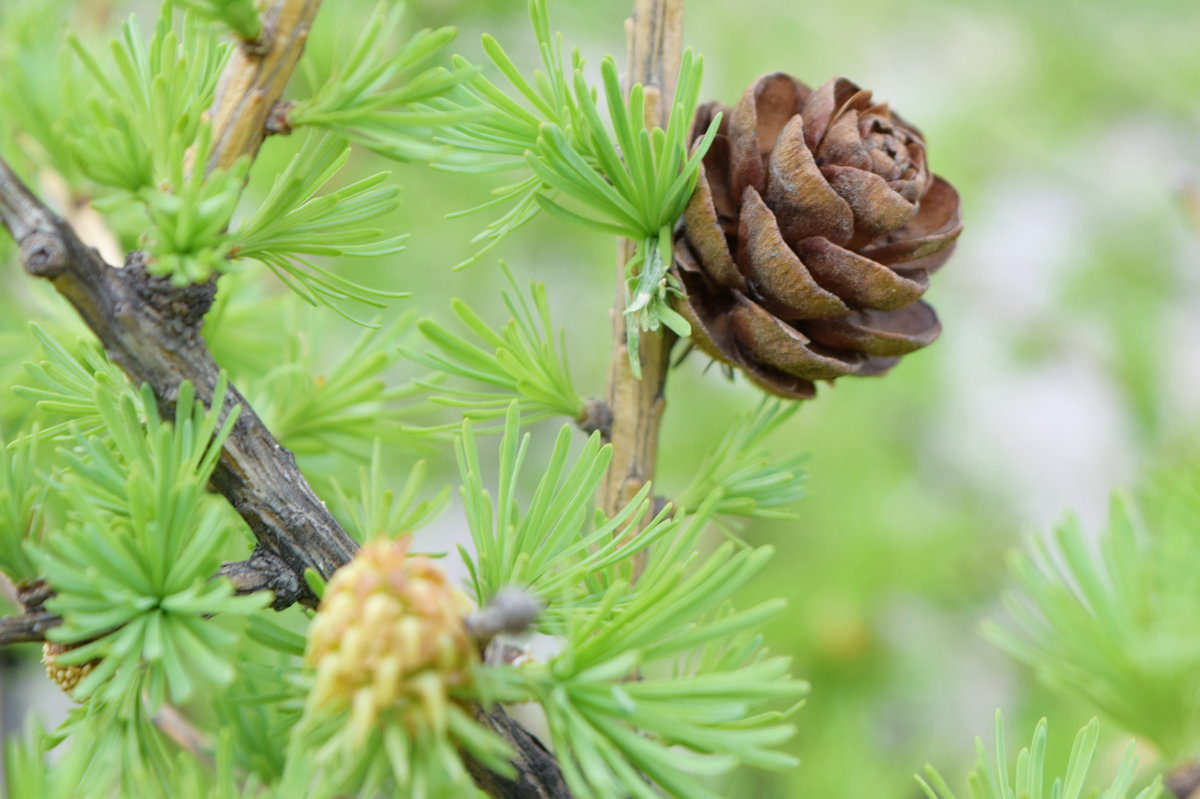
<point>389,639</point>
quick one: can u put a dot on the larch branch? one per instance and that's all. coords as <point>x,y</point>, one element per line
<point>151,329</point>
<point>655,39</point>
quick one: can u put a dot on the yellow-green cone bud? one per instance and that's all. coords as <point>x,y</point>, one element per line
<point>67,676</point>
<point>389,636</point>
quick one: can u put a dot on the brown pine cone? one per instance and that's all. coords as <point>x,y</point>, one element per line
<point>811,236</point>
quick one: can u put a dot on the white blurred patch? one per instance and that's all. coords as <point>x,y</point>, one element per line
<point>1044,436</point>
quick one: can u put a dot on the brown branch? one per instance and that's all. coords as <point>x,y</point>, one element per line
<point>151,329</point>
<point>655,36</point>
<point>27,628</point>
<point>538,773</point>
<point>33,624</point>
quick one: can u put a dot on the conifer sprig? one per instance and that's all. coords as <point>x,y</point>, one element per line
<point>65,385</point>
<point>133,567</point>
<point>114,747</point>
<point>139,130</point>
<point>741,472</point>
<point>42,80</point>
<point>704,673</point>
<point>617,177</point>
<point>293,221</point>
<point>697,710</point>
<point>240,16</point>
<point>524,360</point>
<point>341,408</point>
<point>380,511</point>
<point>554,548</point>
<point>135,130</point>
<point>991,779</point>
<point>365,99</point>
<point>1113,623</point>
<point>22,498</point>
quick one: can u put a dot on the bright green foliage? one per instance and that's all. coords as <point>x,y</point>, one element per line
<point>703,670</point>
<point>363,100</point>
<point>324,761</point>
<point>740,473</point>
<point>512,128</point>
<point>141,131</point>
<point>133,567</point>
<point>66,386</point>
<point>696,710</point>
<point>240,16</point>
<point>41,81</point>
<point>112,755</point>
<point>521,361</point>
<point>187,239</point>
<point>137,128</point>
<point>1114,624</point>
<point>22,495</point>
<point>640,187</point>
<point>25,770</point>
<point>990,779</point>
<point>624,179</point>
<point>381,512</point>
<point>343,409</point>
<point>116,744</point>
<point>266,698</point>
<point>704,703</point>
<point>133,133</point>
<point>292,222</point>
<point>551,547</point>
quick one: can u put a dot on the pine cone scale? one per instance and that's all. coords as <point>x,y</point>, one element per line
<point>933,231</point>
<point>824,104</point>
<point>810,239</point>
<point>882,333</point>
<point>776,271</point>
<point>782,346</point>
<point>758,120</point>
<point>876,208</point>
<point>704,233</point>
<point>800,194</point>
<point>857,279</point>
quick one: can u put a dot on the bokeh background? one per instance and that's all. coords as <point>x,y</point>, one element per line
<point>1070,360</point>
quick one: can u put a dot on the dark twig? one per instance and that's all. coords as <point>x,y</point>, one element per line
<point>151,329</point>
<point>538,773</point>
<point>597,416</point>
<point>27,627</point>
<point>1184,782</point>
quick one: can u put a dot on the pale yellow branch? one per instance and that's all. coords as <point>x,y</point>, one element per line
<point>655,46</point>
<point>254,81</point>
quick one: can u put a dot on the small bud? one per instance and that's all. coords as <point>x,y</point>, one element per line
<point>67,676</point>
<point>388,637</point>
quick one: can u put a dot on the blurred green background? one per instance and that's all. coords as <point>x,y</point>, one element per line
<point>1069,362</point>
